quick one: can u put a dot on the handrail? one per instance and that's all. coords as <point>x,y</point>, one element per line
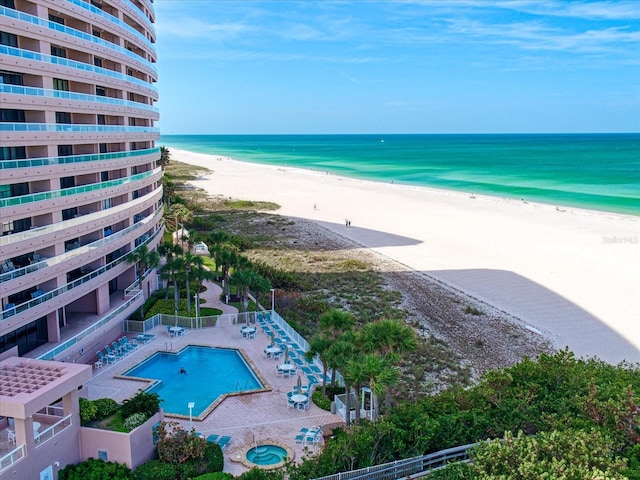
<point>12,457</point>
<point>51,354</point>
<point>73,127</point>
<point>76,283</point>
<point>112,19</point>
<point>50,432</point>
<point>19,272</point>
<point>25,17</point>
<point>65,192</point>
<point>83,97</point>
<point>91,157</point>
<point>404,468</point>
<point>42,57</point>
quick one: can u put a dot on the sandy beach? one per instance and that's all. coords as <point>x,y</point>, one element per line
<point>571,275</point>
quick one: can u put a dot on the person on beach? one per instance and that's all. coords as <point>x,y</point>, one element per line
<point>182,371</point>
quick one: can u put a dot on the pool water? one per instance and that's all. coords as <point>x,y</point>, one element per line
<point>266,454</point>
<point>210,373</point>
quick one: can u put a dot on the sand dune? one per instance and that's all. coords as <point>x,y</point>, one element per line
<point>570,274</point>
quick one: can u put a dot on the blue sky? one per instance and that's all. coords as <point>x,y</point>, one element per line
<point>398,67</point>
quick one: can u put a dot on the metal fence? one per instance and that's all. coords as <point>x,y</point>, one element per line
<point>411,466</point>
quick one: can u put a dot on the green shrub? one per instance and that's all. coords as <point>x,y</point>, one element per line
<point>88,411</point>
<point>320,400</point>
<point>155,470</point>
<point>96,470</point>
<point>106,407</point>
<point>259,474</point>
<point>134,421</point>
<point>213,457</point>
<point>455,471</point>
<point>214,476</point>
<point>143,402</point>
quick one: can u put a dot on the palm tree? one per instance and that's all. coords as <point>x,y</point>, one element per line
<point>246,280</point>
<point>392,339</point>
<point>338,355</point>
<point>381,376</point>
<point>334,322</point>
<point>319,345</point>
<point>171,268</point>
<point>189,261</point>
<point>355,374</point>
<point>143,259</point>
<point>165,156</point>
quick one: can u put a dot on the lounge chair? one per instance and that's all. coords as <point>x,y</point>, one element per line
<point>105,358</point>
<point>223,442</point>
<point>114,354</point>
<point>299,440</point>
<point>119,349</point>
<point>213,438</point>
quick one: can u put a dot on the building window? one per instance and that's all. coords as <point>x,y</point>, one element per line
<point>18,225</point>
<point>8,4</point>
<point>132,96</point>
<point>96,33</point>
<point>5,191</point>
<point>102,120</point>
<point>69,213</point>
<point>11,115</point>
<point>102,455</point>
<point>8,39</point>
<point>27,337</point>
<point>11,78</point>
<point>61,84</point>
<point>56,19</point>
<point>65,150</point>
<point>103,148</point>
<point>13,153</point>
<point>58,52</point>
<point>67,182</point>
<point>101,91</point>
<point>63,117</point>
<point>104,176</point>
<point>107,203</point>
<point>97,61</point>
<point>19,189</point>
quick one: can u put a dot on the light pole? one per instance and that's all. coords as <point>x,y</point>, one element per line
<point>191,405</point>
<point>273,299</point>
<point>197,302</point>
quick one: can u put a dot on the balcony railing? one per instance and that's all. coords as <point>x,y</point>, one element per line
<point>73,127</point>
<point>92,157</point>
<point>87,67</point>
<point>54,352</point>
<point>19,272</point>
<point>25,17</point>
<point>53,430</point>
<point>112,19</point>
<point>12,457</point>
<point>83,97</point>
<point>46,296</point>
<point>62,226</point>
<point>92,187</point>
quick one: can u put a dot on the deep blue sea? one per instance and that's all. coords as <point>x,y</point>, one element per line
<point>594,171</point>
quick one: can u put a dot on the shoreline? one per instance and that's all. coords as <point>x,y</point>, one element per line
<point>565,272</point>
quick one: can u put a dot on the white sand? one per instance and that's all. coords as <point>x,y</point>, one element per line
<point>573,275</point>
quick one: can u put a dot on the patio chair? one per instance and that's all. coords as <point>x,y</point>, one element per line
<point>11,436</point>
<point>105,358</point>
<point>223,442</point>
<point>98,364</point>
<point>291,404</point>
<point>118,349</point>
<point>171,334</point>
<point>114,354</point>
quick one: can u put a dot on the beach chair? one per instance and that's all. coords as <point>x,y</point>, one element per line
<point>223,442</point>
<point>299,440</point>
<point>105,358</point>
<point>213,438</point>
<point>115,354</point>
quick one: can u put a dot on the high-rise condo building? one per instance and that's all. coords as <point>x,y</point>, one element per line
<point>80,180</point>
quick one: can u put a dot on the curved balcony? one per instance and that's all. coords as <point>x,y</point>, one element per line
<point>73,127</point>
<point>87,253</point>
<point>92,187</point>
<point>43,237</point>
<point>135,12</point>
<point>81,97</point>
<point>115,21</point>
<point>86,67</point>
<point>25,17</point>
<point>14,312</point>
<point>94,157</point>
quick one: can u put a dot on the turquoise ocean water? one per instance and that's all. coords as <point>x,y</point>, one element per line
<point>593,171</point>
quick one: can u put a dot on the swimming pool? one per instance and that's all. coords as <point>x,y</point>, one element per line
<point>211,373</point>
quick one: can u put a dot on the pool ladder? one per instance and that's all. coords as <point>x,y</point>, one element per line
<point>246,386</point>
<point>168,346</point>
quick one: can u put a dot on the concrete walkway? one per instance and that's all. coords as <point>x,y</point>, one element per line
<point>212,298</point>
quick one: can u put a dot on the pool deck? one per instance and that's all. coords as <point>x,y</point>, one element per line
<point>263,415</point>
